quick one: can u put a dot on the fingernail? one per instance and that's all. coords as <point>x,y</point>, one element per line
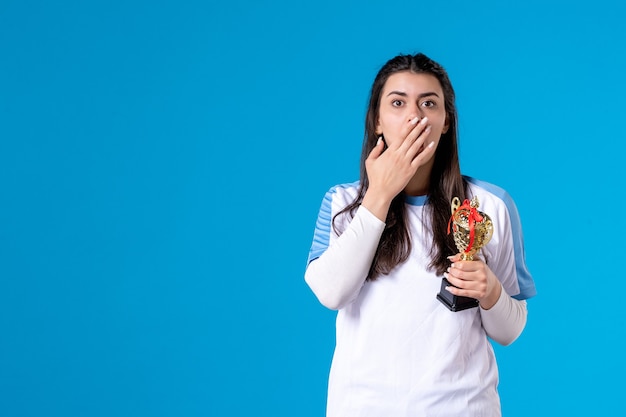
<point>430,145</point>
<point>415,120</point>
<point>427,129</point>
<point>447,289</point>
<point>424,120</point>
<point>445,275</point>
<point>378,141</point>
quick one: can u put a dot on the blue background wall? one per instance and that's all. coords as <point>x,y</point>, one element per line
<point>162,164</point>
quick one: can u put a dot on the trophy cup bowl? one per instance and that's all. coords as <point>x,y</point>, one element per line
<point>471,229</point>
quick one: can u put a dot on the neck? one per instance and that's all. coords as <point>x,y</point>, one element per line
<point>417,186</point>
<point>420,183</point>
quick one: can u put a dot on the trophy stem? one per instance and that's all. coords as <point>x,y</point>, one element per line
<point>467,257</point>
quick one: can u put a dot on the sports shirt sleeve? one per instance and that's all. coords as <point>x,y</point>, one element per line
<point>338,265</point>
<point>505,321</point>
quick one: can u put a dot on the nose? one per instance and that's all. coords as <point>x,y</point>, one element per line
<point>415,111</point>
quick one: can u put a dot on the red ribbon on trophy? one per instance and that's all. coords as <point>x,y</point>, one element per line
<point>472,217</point>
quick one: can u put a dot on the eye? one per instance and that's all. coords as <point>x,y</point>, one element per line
<point>397,103</point>
<point>428,103</point>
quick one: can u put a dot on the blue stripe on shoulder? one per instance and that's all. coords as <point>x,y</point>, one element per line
<point>525,280</point>
<point>321,237</point>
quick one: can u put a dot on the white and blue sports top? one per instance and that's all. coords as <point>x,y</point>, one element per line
<point>399,351</point>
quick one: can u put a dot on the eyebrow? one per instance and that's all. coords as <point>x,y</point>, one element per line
<point>403,94</point>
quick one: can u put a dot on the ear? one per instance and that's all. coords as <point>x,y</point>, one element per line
<point>379,130</point>
<point>446,126</point>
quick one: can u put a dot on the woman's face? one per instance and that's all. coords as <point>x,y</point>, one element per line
<point>407,95</point>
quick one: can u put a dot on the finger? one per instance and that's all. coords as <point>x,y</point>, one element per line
<point>407,135</point>
<point>460,269</point>
<point>417,145</point>
<point>414,135</point>
<point>467,266</point>
<point>465,284</point>
<point>377,150</point>
<point>473,289</point>
<point>463,271</point>
<point>458,283</point>
<point>463,292</point>
<point>455,274</point>
<point>454,258</point>
<point>426,152</point>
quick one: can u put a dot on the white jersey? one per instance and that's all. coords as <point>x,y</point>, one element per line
<point>399,351</point>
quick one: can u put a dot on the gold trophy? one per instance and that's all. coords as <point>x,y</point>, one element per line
<point>472,229</point>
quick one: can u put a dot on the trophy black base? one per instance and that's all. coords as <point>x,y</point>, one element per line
<point>454,302</point>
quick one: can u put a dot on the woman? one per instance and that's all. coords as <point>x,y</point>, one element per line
<point>381,248</point>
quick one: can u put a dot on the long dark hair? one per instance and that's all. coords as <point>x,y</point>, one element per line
<point>446,181</point>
